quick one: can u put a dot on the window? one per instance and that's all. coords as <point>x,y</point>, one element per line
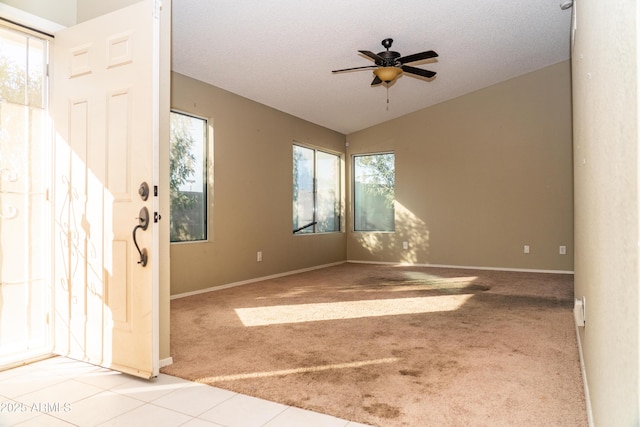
<point>188,178</point>
<point>316,191</point>
<point>25,213</point>
<point>374,192</point>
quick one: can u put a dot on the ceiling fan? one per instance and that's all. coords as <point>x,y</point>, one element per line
<point>390,64</point>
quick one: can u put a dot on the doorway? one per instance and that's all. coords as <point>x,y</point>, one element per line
<point>79,241</point>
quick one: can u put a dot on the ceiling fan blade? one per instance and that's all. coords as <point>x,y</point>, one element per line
<point>376,81</point>
<point>372,55</point>
<point>418,71</point>
<point>417,57</point>
<point>354,68</point>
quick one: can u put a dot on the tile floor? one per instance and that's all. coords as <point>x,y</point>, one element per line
<point>65,392</point>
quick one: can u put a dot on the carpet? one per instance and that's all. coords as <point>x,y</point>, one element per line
<point>392,345</point>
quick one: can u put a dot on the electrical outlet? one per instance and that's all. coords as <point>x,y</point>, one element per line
<point>527,249</point>
<point>563,250</point>
<point>259,256</point>
<point>580,311</point>
<point>405,245</point>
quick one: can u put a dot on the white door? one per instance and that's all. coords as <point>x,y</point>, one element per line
<point>105,112</point>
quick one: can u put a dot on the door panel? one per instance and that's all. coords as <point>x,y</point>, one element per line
<point>105,114</point>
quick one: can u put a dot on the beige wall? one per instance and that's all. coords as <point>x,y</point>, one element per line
<point>479,177</point>
<point>250,206</point>
<point>605,81</point>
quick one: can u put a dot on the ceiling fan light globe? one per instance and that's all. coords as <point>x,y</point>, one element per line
<point>387,74</point>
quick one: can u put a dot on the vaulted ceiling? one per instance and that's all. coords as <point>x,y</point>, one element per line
<point>281,52</point>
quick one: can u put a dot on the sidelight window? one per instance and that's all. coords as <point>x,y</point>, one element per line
<point>24,208</point>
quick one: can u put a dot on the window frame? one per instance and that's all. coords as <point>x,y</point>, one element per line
<point>353,191</point>
<point>207,173</point>
<point>340,188</point>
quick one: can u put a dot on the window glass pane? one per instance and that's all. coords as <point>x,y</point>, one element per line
<point>35,76</point>
<point>374,192</point>
<point>13,67</point>
<point>303,171</point>
<point>328,197</point>
<point>188,184</point>
<point>22,68</point>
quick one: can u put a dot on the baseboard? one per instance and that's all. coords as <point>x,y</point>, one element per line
<point>317,267</point>
<point>166,362</point>
<point>26,361</point>
<point>465,267</point>
<point>249,281</point>
<point>587,397</point>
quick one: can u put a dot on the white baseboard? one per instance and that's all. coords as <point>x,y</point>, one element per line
<point>257,279</point>
<point>317,267</point>
<point>466,267</point>
<point>587,397</point>
<point>166,362</point>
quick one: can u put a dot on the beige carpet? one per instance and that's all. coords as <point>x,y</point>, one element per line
<point>392,346</point>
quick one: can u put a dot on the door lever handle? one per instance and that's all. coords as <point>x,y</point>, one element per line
<point>143,223</point>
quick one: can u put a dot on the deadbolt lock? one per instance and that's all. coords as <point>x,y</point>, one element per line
<point>143,191</point>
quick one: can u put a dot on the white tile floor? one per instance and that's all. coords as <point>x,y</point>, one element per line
<point>65,392</point>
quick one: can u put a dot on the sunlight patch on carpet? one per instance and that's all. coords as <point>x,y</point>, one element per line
<point>318,368</point>
<point>298,313</point>
<point>426,278</point>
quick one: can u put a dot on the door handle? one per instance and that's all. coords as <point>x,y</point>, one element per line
<point>143,223</point>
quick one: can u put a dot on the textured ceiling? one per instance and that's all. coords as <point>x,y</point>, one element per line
<point>281,52</point>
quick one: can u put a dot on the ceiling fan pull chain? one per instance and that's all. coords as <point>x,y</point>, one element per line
<point>387,98</point>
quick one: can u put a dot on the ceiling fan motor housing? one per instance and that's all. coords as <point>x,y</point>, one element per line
<point>389,58</point>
